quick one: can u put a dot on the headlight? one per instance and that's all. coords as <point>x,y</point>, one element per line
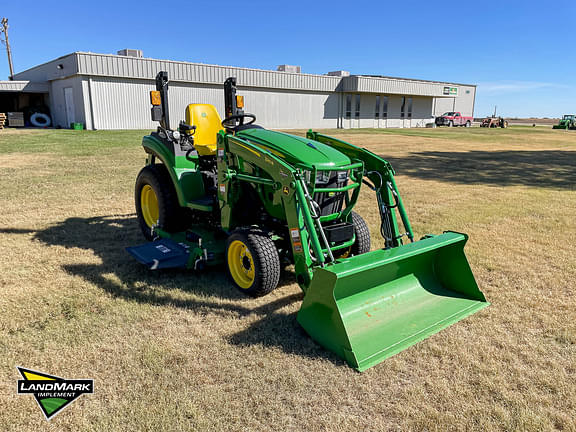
<point>342,176</point>
<point>322,177</point>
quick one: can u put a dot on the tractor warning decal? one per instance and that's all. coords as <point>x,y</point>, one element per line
<point>296,241</point>
<point>295,234</point>
<point>52,393</point>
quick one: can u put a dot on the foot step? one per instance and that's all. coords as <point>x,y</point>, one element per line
<point>160,254</point>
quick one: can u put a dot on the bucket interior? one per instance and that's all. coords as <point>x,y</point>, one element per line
<point>370,307</point>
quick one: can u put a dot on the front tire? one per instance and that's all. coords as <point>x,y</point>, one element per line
<point>252,262</point>
<point>362,233</point>
<point>156,201</point>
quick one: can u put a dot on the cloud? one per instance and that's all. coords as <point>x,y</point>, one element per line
<point>517,86</point>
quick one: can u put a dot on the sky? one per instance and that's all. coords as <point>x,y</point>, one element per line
<point>520,54</point>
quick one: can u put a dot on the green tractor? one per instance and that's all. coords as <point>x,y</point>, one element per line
<point>568,121</point>
<point>231,193</point>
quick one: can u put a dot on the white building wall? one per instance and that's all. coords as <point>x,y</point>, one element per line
<point>463,103</point>
<point>62,67</point>
<point>465,100</point>
<point>443,105</point>
<point>289,109</point>
<point>106,65</point>
<point>120,103</point>
<point>367,102</point>
<point>394,105</point>
<point>422,111</point>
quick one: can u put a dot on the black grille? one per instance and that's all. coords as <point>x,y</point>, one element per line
<point>330,202</point>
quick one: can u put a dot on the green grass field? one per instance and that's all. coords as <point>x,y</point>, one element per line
<point>177,351</point>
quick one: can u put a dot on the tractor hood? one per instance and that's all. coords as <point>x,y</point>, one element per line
<point>294,149</point>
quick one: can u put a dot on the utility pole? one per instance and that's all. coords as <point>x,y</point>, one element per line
<point>4,30</point>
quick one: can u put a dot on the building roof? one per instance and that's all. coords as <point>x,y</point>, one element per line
<point>116,66</point>
<point>24,86</point>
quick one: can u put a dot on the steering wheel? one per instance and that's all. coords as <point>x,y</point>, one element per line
<point>241,117</point>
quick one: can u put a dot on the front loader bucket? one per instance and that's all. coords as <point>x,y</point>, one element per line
<point>369,307</point>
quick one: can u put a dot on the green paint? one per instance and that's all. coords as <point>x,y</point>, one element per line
<point>364,308</point>
<point>53,404</point>
<point>298,151</point>
<point>372,306</point>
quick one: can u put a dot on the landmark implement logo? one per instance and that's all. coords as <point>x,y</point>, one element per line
<point>52,393</point>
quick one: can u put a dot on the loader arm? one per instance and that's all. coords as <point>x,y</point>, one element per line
<point>381,174</point>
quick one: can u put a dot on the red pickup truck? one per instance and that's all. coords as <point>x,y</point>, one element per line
<point>453,119</point>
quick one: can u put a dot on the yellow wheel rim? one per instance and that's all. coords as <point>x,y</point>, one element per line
<point>241,264</point>
<point>347,253</point>
<point>149,205</point>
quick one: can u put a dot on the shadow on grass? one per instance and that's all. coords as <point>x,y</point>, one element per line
<point>121,276</point>
<point>551,169</point>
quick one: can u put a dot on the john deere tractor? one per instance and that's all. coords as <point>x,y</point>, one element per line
<point>231,193</point>
<point>568,121</point>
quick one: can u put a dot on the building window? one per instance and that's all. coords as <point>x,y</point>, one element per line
<point>348,106</point>
<point>377,108</point>
<point>357,106</point>
<point>403,107</point>
<point>384,106</point>
<point>409,107</point>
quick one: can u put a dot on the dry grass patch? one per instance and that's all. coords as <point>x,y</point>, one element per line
<point>177,351</point>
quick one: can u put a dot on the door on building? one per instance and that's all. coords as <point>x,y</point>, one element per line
<point>69,105</point>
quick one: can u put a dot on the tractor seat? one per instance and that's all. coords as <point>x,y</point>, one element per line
<point>208,124</point>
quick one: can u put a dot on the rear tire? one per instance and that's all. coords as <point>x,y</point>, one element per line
<point>156,201</point>
<point>252,262</point>
<point>450,124</point>
<point>362,233</point>
<point>468,124</point>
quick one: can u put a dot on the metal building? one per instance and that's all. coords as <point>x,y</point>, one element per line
<point>105,91</point>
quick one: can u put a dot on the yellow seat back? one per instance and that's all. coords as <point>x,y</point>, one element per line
<point>208,124</point>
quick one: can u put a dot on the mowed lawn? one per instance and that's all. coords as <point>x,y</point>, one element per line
<point>173,350</point>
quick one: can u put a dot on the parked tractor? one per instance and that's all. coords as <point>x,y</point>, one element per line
<point>494,122</point>
<point>231,193</point>
<point>568,121</point>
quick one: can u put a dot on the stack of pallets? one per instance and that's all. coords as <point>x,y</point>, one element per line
<point>2,120</point>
